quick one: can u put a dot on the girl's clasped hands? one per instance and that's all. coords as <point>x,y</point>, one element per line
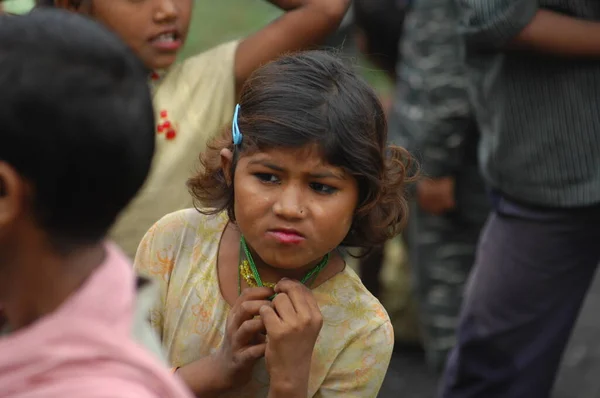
<point>283,331</point>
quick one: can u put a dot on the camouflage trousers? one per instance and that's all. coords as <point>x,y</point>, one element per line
<point>442,252</point>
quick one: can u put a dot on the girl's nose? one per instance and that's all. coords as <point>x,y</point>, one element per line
<point>289,204</point>
<point>166,10</point>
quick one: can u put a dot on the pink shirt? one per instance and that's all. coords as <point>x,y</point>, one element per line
<point>84,349</point>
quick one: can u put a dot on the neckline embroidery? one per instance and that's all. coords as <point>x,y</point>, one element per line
<point>165,126</point>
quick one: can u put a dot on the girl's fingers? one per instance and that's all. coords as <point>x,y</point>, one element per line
<point>260,338</point>
<point>305,305</point>
<point>246,310</point>
<point>298,294</point>
<point>253,353</point>
<point>284,308</point>
<point>255,293</point>
<point>249,330</point>
<point>270,318</point>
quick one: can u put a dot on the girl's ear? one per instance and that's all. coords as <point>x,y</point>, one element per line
<point>226,163</point>
<point>12,196</point>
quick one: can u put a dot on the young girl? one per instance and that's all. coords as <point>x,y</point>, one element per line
<point>304,170</point>
<point>195,98</point>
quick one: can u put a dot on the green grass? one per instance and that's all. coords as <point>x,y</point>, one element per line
<point>375,77</point>
<point>217,21</point>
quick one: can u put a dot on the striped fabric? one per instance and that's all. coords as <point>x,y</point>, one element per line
<point>539,115</point>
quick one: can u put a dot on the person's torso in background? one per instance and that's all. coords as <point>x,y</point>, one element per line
<point>539,117</point>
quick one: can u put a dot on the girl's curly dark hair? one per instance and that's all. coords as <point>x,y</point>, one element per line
<point>314,98</point>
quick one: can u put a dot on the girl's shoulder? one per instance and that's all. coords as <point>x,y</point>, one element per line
<point>344,298</point>
<point>189,225</point>
<point>356,330</point>
<point>178,241</point>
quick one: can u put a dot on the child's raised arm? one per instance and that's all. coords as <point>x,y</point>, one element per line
<point>305,24</point>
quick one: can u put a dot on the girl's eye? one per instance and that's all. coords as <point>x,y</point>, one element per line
<point>322,188</point>
<point>266,177</point>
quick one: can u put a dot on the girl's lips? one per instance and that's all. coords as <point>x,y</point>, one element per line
<point>168,40</point>
<point>167,45</point>
<point>286,237</point>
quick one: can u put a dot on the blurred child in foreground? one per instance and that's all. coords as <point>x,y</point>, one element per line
<point>77,144</point>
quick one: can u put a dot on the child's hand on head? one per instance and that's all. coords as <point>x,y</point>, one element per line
<point>244,341</point>
<point>293,323</point>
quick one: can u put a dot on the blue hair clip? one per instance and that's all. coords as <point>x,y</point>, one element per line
<point>235,129</point>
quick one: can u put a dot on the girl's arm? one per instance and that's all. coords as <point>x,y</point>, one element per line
<point>305,23</point>
<point>359,370</point>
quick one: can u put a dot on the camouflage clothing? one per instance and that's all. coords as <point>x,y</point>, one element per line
<point>432,118</point>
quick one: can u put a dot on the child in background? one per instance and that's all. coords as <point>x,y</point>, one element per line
<point>195,98</point>
<point>75,149</point>
<point>304,169</point>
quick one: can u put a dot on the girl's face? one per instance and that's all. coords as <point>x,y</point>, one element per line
<point>154,29</point>
<point>291,206</point>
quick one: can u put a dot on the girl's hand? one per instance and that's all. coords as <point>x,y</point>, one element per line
<point>293,324</point>
<point>244,341</point>
<point>243,344</point>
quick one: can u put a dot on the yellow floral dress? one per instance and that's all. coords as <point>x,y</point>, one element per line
<point>354,347</point>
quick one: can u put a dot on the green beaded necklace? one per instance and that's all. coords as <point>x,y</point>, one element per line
<point>245,255</point>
